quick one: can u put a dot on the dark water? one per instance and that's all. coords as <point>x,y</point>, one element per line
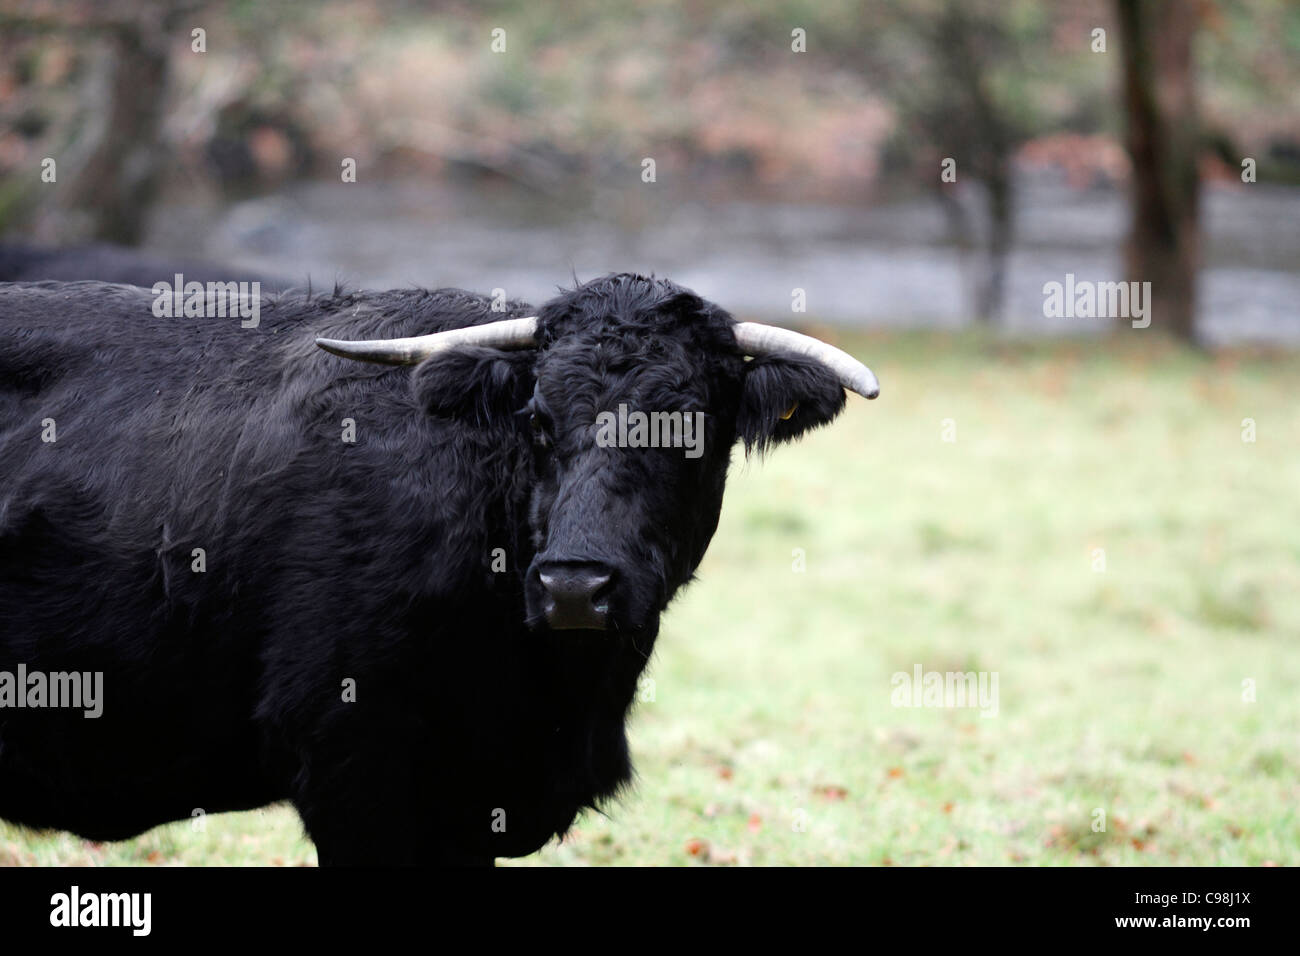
<point>880,265</point>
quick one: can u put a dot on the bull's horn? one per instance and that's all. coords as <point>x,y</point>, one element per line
<point>757,339</point>
<point>506,334</point>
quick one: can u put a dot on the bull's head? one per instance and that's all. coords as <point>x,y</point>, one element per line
<point>636,391</point>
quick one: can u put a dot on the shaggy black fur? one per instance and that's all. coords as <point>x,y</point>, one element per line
<point>371,562</point>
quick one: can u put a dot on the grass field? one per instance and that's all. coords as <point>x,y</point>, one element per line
<point>1098,534</point>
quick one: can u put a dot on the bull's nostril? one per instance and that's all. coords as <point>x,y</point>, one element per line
<point>577,595</point>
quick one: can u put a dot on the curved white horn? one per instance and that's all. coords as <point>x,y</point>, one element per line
<point>756,339</point>
<point>506,334</point>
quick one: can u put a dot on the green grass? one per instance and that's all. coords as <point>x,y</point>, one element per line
<point>772,738</point>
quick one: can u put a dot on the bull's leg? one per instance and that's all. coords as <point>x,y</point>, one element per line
<point>340,842</point>
<point>361,832</point>
<point>373,812</point>
<point>334,855</point>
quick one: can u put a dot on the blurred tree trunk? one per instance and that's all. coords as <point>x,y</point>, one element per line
<point>112,192</point>
<point>1159,94</point>
<point>967,41</point>
<point>1001,234</point>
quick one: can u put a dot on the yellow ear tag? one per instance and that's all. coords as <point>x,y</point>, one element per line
<point>785,417</point>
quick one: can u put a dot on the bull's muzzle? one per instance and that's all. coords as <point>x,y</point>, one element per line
<point>576,595</point>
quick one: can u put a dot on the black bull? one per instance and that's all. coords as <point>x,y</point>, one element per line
<point>414,601</point>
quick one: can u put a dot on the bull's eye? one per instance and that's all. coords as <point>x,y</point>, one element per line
<point>540,438</point>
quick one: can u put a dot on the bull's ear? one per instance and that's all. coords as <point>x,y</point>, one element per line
<point>483,385</point>
<point>784,396</point>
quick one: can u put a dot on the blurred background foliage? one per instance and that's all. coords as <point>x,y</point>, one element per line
<point>285,88</point>
<point>141,124</point>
